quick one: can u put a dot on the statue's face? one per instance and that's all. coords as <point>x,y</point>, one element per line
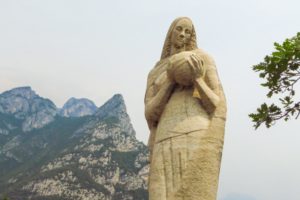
<point>182,32</point>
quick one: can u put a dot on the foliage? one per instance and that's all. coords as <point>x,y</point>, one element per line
<point>5,198</point>
<point>125,160</point>
<point>121,192</point>
<point>281,72</point>
<point>33,151</point>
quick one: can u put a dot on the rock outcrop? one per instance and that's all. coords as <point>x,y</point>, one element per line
<point>78,108</point>
<point>24,104</point>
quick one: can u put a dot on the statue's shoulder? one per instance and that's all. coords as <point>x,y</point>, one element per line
<point>161,63</point>
<point>159,67</point>
<point>203,54</point>
<point>157,70</point>
<point>207,58</point>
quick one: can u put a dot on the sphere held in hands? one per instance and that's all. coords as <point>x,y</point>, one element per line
<point>180,69</point>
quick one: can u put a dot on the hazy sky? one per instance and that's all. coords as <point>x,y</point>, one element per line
<point>96,48</point>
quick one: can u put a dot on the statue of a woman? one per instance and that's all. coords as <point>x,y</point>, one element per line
<point>186,111</point>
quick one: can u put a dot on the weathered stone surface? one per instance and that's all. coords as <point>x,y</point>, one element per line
<point>186,111</point>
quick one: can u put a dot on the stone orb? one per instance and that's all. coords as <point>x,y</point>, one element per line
<point>180,69</point>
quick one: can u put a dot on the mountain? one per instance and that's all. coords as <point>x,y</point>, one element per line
<point>238,196</point>
<point>78,108</point>
<point>115,108</point>
<point>88,157</point>
<point>25,105</point>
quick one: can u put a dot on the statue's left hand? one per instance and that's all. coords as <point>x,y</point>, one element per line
<point>196,66</point>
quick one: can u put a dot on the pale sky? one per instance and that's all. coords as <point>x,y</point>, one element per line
<point>95,48</point>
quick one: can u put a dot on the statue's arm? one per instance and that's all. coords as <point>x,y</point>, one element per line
<point>208,87</point>
<point>209,97</point>
<point>156,101</point>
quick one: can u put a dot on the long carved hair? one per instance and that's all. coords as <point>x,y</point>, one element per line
<point>166,52</point>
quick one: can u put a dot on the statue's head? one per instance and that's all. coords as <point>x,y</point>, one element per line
<point>181,33</point>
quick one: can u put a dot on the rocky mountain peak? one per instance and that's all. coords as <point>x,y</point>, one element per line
<point>114,103</point>
<point>78,108</point>
<point>25,92</point>
<point>115,108</point>
<point>23,103</point>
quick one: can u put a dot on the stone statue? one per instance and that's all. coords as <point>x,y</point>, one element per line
<point>185,109</point>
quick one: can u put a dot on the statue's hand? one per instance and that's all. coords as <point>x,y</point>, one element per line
<point>196,67</point>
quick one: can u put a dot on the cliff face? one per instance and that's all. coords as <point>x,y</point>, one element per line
<point>91,157</point>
